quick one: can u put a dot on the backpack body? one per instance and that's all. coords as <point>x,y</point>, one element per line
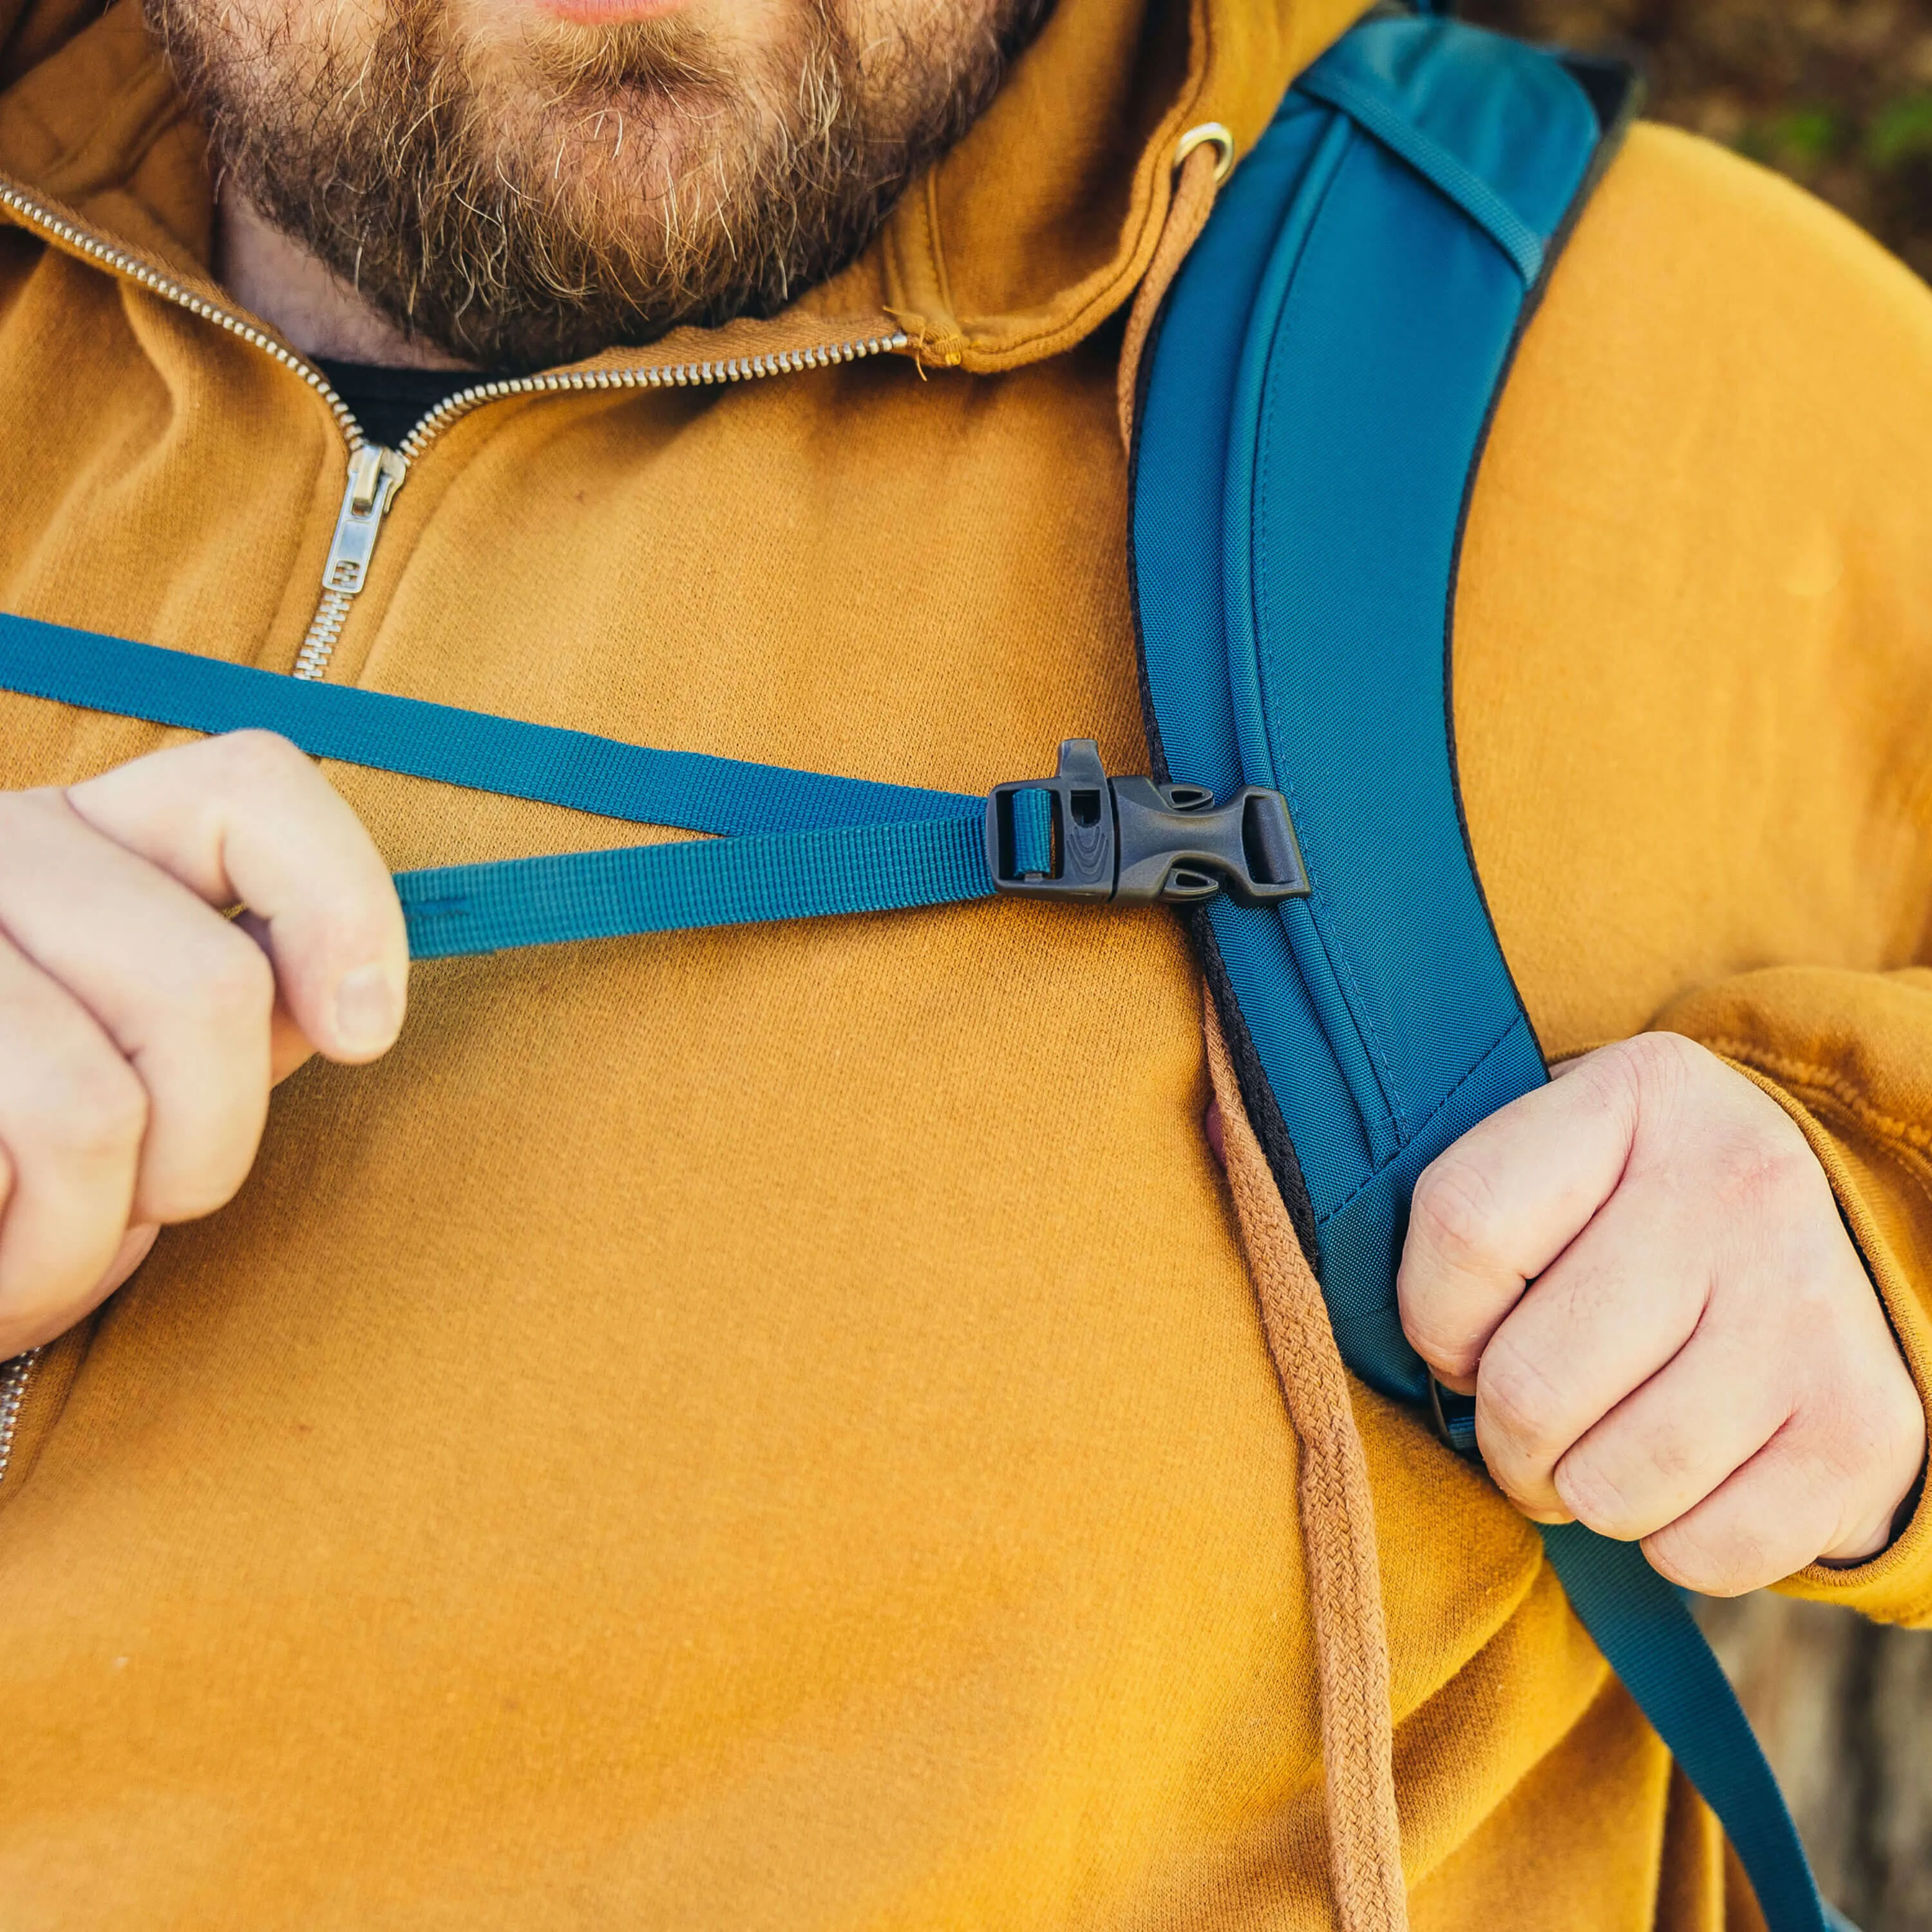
<point>1313,414</point>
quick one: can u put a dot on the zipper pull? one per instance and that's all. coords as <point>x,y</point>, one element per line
<point>375,476</point>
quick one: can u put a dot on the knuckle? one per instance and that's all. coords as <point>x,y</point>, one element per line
<point>207,999</point>
<point>23,1327</point>
<point>1447,1350</point>
<point>1902,1427</point>
<point>1661,1057</point>
<point>1650,1074</point>
<point>87,1106</point>
<point>1455,1210</point>
<point>1593,1491</point>
<point>1521,1403</point>
<point>36,822</point>
<point>1764,1179</point>
<point>1863,1428</point>
<point>254,760</point>
<point>195,1188</point>
<point>19,810</point>
<point>1730,1562</point>
<point>355,921</point>
<point>232,983</point>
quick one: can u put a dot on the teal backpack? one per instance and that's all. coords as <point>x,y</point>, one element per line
<point>1311,418</point>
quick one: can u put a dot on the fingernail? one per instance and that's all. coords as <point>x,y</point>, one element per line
<point>367,1011</point>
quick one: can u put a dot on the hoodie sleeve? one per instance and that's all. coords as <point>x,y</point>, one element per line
<point>1849,1055</point>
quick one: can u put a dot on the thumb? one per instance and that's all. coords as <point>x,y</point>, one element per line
<point>247,818</point>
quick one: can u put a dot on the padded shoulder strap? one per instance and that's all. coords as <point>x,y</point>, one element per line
<point>1315,405</point>
<point>1312,417</point>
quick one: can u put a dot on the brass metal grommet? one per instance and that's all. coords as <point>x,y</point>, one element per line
<point>1209,134</point>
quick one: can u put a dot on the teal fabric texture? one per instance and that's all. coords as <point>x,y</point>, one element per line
<point>1033,831</point>
<point>471,749</point>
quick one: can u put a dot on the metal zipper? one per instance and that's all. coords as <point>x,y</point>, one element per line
<point>375,474</point>
<point>372,486</point>
<point>152,279</point>
<point>14,1376</point>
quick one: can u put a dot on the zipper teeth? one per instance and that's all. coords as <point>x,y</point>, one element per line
<point>14,1376</point>
<point>681,375</point>
<point>152,279</point>
<point>318,644</point>
<point>678,376</point>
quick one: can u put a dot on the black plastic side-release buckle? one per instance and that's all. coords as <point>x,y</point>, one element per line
<point>1081,835</point>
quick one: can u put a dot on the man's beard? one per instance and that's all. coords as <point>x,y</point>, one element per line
<point>535,199</point>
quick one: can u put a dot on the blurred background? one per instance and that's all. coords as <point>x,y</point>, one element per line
<point>1837,94</point>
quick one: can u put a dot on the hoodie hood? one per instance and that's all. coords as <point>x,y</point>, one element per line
<point>1033,230</point>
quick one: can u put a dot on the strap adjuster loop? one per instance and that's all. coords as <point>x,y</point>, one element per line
<point>1081,835</point>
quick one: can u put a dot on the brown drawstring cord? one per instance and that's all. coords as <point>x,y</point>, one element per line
<point>1338,1531</point>
<point>1187,213</point>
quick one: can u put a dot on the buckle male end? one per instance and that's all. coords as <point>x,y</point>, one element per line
<point>1081,835</point>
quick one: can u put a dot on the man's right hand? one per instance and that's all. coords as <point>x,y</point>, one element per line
<point>141,1028</point>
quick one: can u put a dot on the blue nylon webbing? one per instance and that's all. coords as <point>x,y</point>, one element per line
<point>1650,1640</point>
<point>1033,831</point>
<point>1369,111</point>
<point>695,882</point>
<point>471,748</point>
<point>799,844</point>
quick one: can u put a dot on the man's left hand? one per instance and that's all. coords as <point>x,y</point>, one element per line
<point>1640,1274</point>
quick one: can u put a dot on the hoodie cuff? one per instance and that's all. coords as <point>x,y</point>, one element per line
<point>1885,1192</point>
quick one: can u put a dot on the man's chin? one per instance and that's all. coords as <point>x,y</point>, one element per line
<point>517,183</point>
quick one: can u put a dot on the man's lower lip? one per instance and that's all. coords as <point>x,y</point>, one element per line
<point>606,12</point>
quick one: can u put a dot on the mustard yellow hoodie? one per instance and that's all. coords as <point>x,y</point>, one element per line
<point>772,1428</point>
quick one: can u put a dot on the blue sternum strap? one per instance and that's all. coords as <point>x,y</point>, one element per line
<point>692,882</point>
<point>475,749</point>
<point>797,844</point>
<point>794,844</point>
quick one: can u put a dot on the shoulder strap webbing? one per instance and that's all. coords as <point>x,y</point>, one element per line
<point>790,845</point>
<point>1312,417</point>
<point>475,749</point>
